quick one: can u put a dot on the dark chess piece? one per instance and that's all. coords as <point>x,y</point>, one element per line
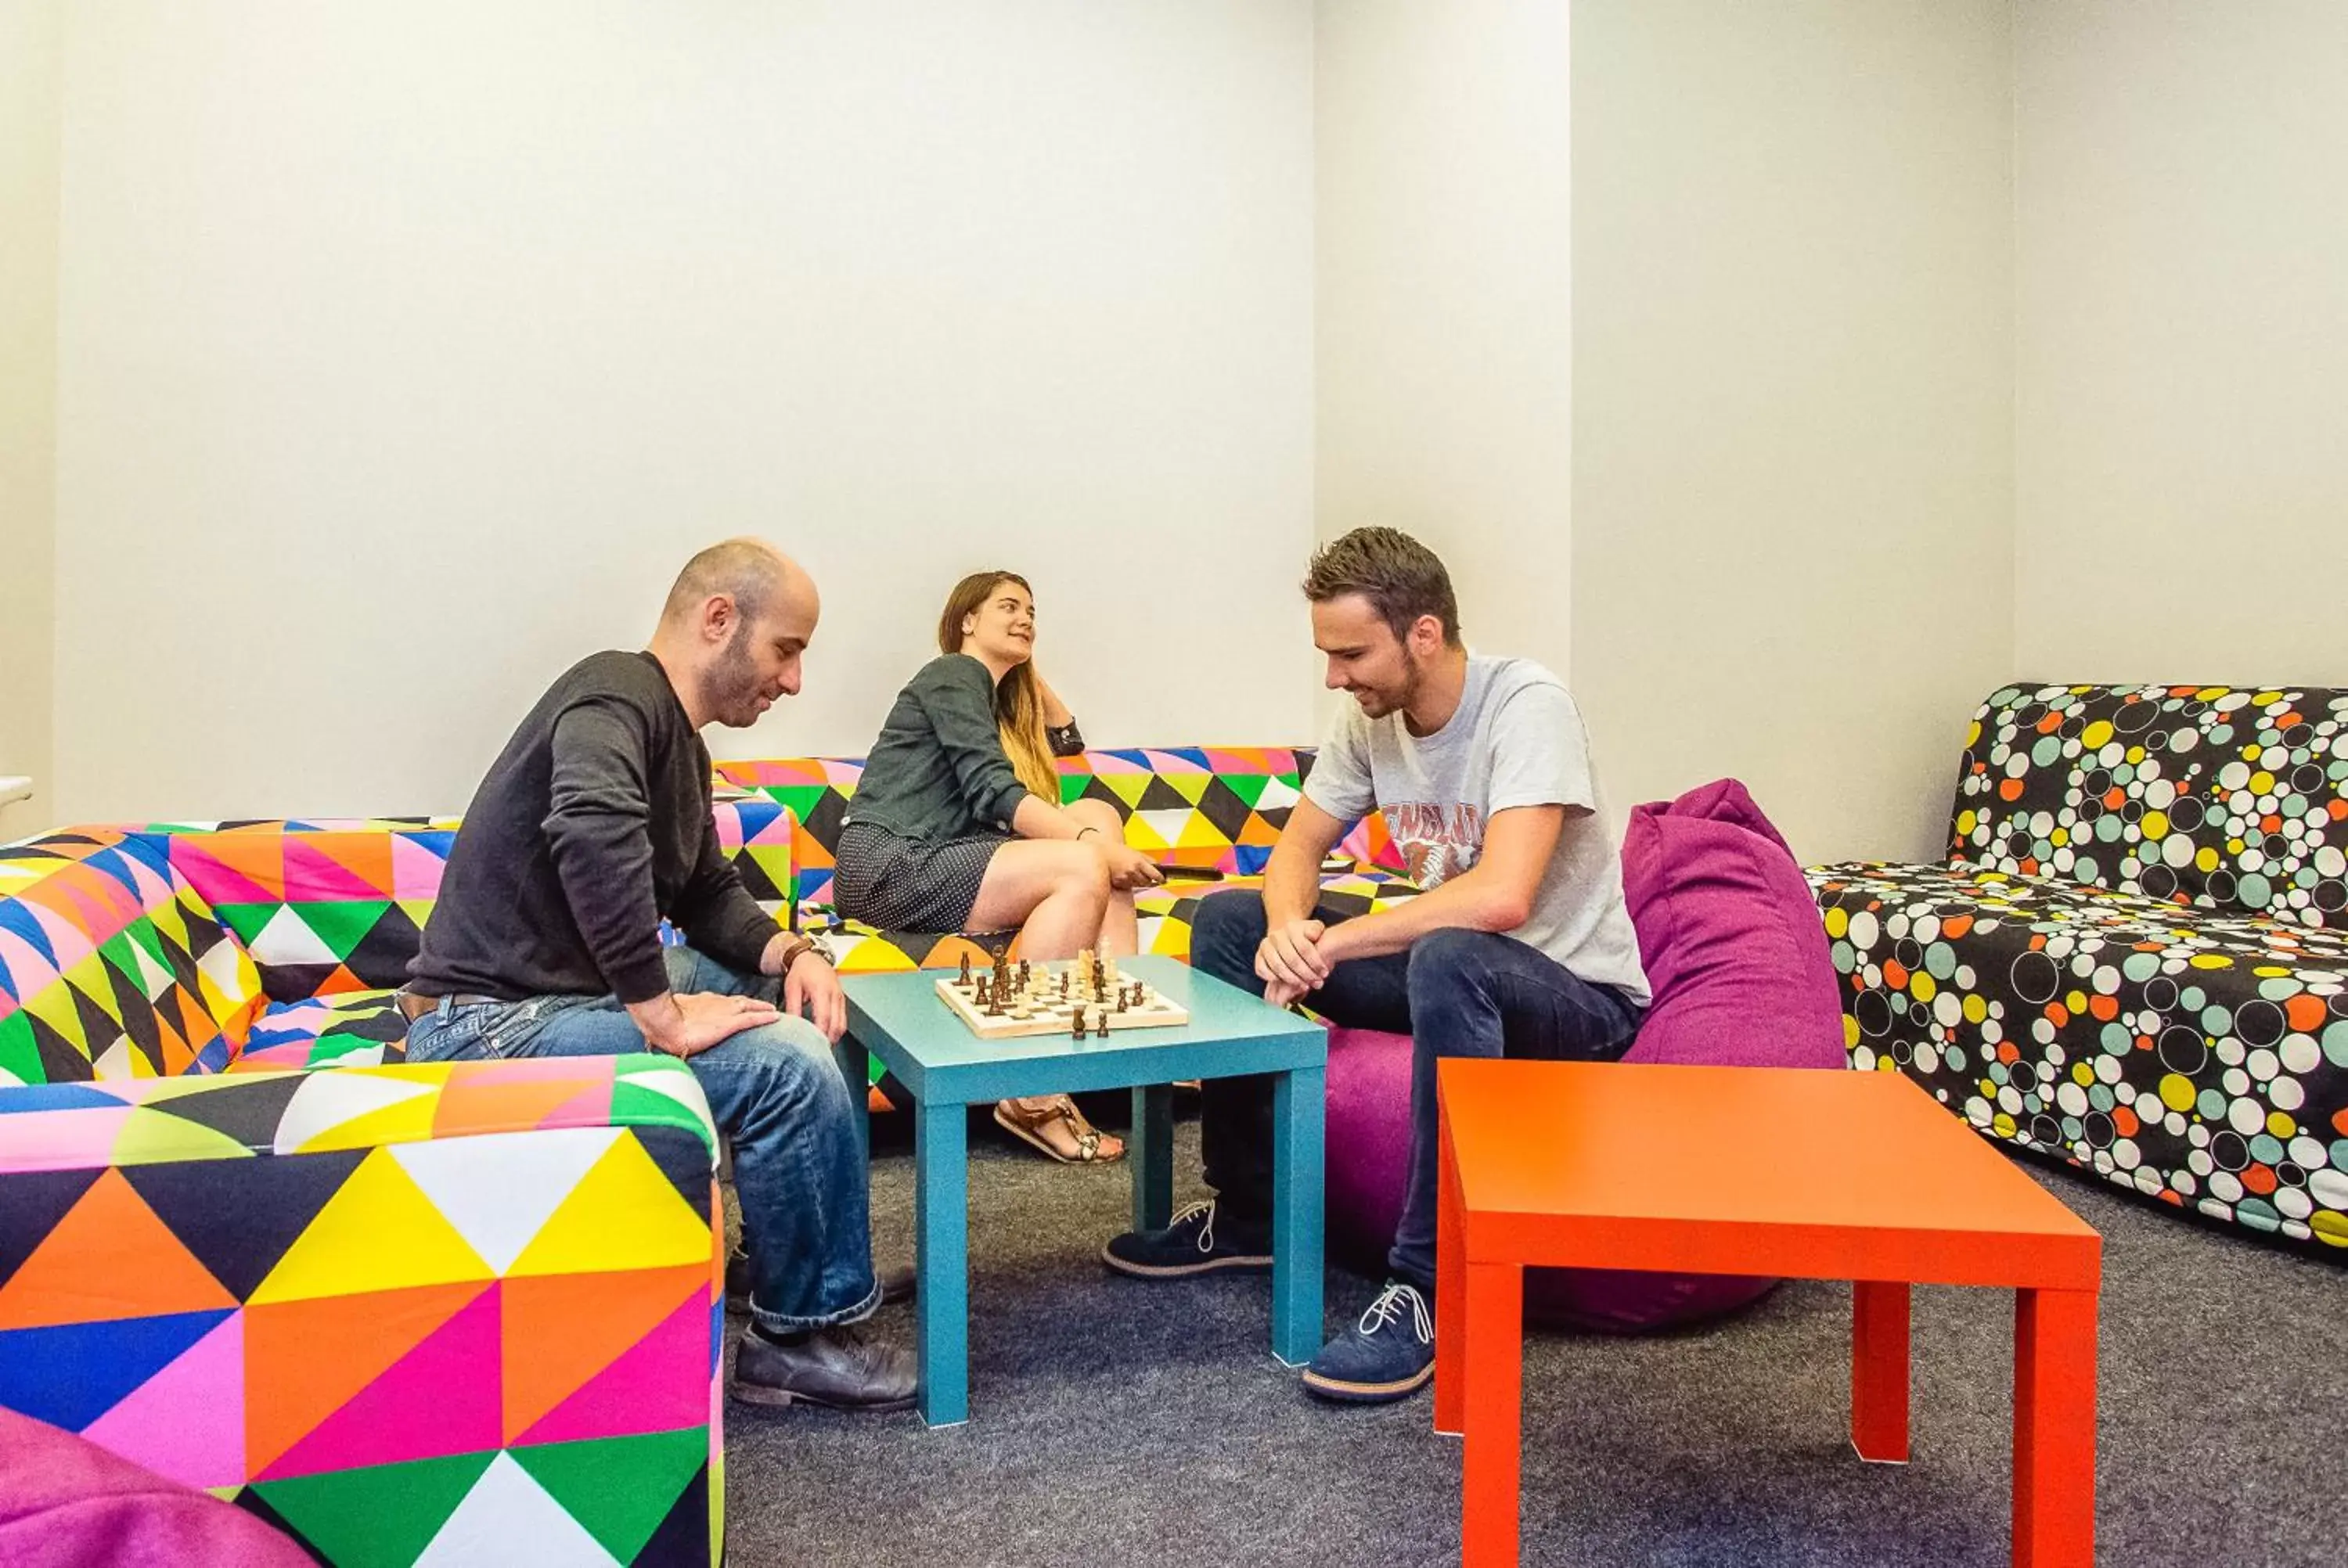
<point>1102,1030</point>
<point>966,968</point>
<point>1076,1024</point>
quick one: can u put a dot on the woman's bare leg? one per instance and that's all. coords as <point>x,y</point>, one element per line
<point>1056,892</point>
<point>1119,936</point>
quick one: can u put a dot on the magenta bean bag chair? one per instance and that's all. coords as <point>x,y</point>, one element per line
<point>65,1503</point>
<point>1737,957</point>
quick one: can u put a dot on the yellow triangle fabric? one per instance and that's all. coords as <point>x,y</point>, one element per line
<point>623,1214</point>
<point>54,1006</point>
<point>1192,787</point>
<point>152,1137</point>
<point>408,1121</point>
<point>1126,787</point>
<point>1198,832</point>
<point>93,977</point>
<point>379,1233</point>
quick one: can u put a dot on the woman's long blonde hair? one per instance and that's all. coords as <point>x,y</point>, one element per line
<point>1018,705</point>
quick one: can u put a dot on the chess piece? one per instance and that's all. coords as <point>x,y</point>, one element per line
<point>1076,1024</point>
<point>966,970</point>
<point>1102,1030</point>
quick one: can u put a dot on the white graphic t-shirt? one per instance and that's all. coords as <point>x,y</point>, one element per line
<point>1517,739</point>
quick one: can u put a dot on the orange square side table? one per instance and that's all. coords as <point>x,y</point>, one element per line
<point>1758,1171</point>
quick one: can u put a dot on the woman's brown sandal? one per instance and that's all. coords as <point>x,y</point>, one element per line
<point>1028,1126</point>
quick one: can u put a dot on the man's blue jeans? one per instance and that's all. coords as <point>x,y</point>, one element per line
<point>1456,992</point>
<point>778,1099</point>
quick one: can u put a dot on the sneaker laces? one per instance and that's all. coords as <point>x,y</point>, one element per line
<point>1189,1212</point>
<point>1387,1310</point>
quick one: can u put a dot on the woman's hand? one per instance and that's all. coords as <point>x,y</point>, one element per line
<point>1128,868</point>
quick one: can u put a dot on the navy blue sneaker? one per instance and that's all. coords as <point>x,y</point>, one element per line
<point>1190,1244</point>
<point>1388,1353</point>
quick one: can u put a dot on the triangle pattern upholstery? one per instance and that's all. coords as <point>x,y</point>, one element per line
<point>419,1314</point>
<point>404,1313</point>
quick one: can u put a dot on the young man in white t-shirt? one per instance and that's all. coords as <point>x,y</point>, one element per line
<point>1518,944</point>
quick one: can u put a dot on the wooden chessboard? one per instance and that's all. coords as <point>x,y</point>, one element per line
<point>1048,1012</point>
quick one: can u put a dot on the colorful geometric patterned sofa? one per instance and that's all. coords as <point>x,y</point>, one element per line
<point>1214,806</point>
<point>455,1312</point>
<point>2134,959</point>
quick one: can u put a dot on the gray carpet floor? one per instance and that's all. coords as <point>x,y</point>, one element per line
<point>1117,1421</point>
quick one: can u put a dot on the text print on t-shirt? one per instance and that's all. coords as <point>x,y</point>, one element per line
<point>1439,842</point>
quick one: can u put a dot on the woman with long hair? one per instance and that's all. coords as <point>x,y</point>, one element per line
<point>957,825</point>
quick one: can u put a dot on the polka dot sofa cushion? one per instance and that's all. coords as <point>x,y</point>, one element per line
<point>2135,958</point>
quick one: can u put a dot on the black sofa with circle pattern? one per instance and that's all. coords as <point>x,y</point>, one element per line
<point>2136,958</point>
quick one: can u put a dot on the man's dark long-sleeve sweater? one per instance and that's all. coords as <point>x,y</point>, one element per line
<point>591,825</point>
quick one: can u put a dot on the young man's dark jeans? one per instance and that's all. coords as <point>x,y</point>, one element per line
<point>1456,992</point>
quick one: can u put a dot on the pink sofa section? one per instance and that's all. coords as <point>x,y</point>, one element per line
<point>65,1503</point>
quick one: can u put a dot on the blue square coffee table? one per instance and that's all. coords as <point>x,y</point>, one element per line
<point>901,1018</point>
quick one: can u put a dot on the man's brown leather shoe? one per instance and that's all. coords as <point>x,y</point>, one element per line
<point>838,1368</point>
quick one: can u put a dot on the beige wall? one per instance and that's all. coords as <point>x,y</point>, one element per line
<point>1793,417</point>
<point>407,350</point>
<point>2182,365</point>
<point>1442,315</point>
<point>29,43</point>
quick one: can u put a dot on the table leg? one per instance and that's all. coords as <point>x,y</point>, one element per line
<point>1879,1371</point>
<point>1493,1359</point>
<point>1451,1278</point>
<point>1298,1107</point>
<point>1152,1157</point>
<point>856,1070</point>
<point>2053,1429</point>
<point>942,1263</point>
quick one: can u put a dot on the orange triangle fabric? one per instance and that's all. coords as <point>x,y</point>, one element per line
<point>108,1258</point>
<point>561,1329</point>
<point>258,857</point>
<point>176,1057</point>
<point>341,982</point>
<point>304,1359</point>
<point>475,1103</point>
<point>366,855</point>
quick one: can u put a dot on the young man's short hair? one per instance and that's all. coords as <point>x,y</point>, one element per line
<point>1401,579</point>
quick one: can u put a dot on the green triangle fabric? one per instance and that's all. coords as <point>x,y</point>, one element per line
<point>634,1107</point>
<point>150,942</point>
<point>19,1058</point>
<point>341,925</point>
<point>118,953</point>
<point>380,1517</point>
<point>796,799</point>
<point>1249,787</point>
<point>619,1489</point>
<point>246,919</point>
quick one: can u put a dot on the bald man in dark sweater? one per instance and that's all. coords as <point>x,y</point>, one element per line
<point>591,828</point>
